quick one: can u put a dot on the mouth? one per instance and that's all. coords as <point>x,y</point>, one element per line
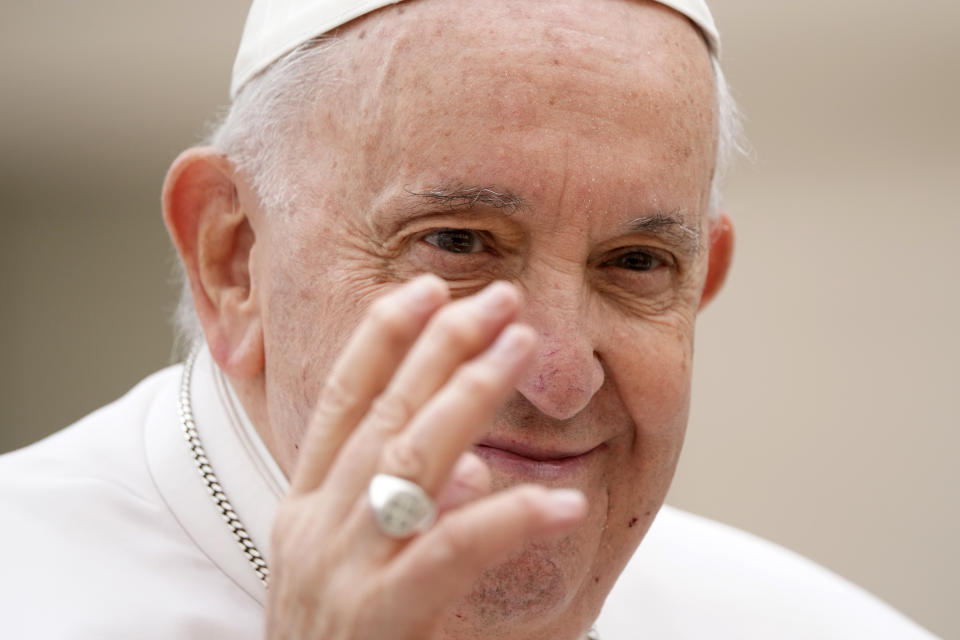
<point>528,463</point>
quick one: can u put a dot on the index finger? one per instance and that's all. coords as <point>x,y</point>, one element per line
<point>362,371</point>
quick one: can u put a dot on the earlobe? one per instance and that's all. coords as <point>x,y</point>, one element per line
<point>216,242</point>
<point>721,255</point>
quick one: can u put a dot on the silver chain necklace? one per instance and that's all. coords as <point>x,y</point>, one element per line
<point>230,516</point>
<point>216,491</point>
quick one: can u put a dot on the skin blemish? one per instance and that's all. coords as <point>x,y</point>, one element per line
<point>632,522</point>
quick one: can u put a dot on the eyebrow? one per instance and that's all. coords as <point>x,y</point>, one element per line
<point>455,198</point>
<point>671,227</point>
<point>462,198</point>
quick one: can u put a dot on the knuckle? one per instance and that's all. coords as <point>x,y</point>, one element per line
<point>403,458</point>
<point>336,397</point>
<point>390,413</point>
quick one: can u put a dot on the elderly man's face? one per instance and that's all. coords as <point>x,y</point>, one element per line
<point>562,145</point>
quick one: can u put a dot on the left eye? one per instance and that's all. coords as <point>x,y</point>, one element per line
<point>636,261</point>
<point>456,240</point>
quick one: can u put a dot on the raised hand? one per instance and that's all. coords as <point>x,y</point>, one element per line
<point>416,385</point>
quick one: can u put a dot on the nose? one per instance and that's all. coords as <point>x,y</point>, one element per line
<point>566,372</point>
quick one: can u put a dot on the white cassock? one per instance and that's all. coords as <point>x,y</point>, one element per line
<point>107,531</point>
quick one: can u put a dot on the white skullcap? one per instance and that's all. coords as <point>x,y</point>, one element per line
<point>277,27</point>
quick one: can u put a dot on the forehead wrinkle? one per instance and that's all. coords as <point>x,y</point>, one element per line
<point>403,101</point>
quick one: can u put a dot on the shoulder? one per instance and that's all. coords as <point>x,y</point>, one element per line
<point>84,527</point>
<point>693,577</point>
<point>106,444</point>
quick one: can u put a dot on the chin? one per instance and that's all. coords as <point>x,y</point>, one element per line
<point>527,595</point>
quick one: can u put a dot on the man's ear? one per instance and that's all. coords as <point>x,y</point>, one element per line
<point>721,254</point>
<point>216,242</point>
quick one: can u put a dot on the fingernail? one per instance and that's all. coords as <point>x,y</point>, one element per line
<point>567,503</point>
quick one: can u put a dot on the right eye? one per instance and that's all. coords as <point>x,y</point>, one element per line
<point>456,240</point>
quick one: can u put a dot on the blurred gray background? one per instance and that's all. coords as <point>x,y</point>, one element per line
<point>826,413</point>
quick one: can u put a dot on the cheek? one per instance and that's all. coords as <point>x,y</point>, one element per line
<point>302,333</point>
<point>652,379</point>
<point>649,365</point>
<point>310,304</point>
<point>653,371</point>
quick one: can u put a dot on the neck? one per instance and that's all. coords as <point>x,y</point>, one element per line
<point>252,395</point>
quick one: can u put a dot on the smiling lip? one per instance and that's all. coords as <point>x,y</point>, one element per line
<point>531,464</point>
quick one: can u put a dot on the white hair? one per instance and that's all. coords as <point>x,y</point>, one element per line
<point>265,114</point>
<point>269,109</point>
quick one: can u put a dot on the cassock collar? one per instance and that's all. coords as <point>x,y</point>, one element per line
<point>248,474</point>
